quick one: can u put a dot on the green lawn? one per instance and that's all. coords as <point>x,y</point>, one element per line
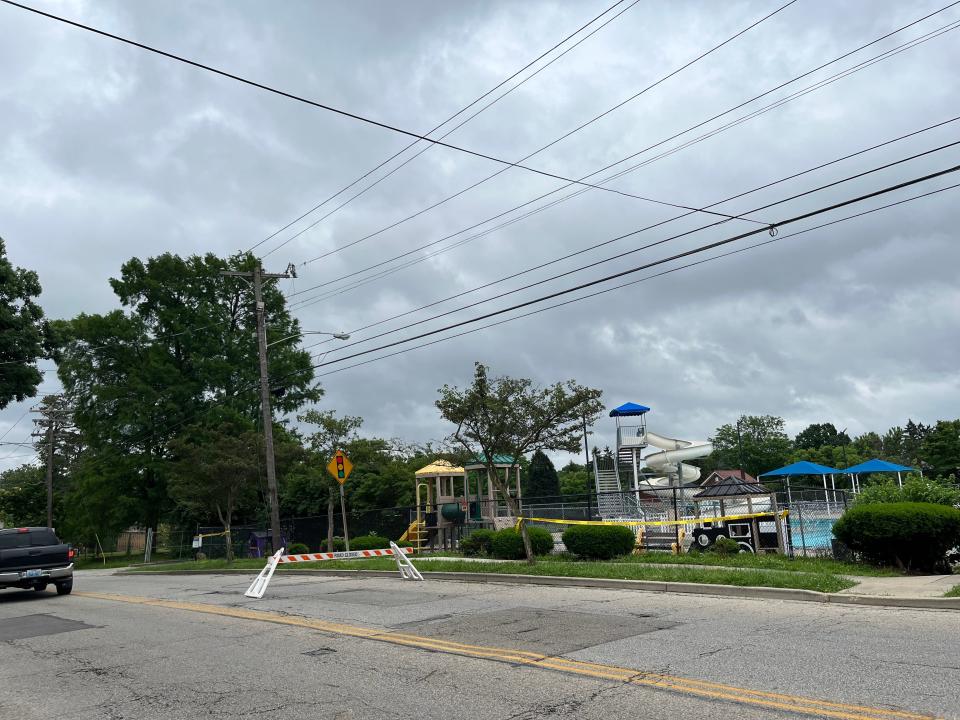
<point>820,581</point>
<point>954,592</point>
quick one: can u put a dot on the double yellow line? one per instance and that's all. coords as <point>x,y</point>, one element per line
<point>686,686</point>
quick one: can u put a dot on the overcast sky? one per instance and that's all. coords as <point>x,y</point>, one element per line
<point>109,152</point>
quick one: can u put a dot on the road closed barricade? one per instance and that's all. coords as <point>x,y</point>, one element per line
<point>404,566</point>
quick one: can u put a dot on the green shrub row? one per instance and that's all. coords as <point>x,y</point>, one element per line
<point>599,542</point>
<point>909,535</point>
<point>506,544</point>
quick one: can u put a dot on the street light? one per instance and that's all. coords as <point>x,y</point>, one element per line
<point>336,335</point>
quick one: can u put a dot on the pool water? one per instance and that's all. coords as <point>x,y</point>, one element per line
<point>812,533</point>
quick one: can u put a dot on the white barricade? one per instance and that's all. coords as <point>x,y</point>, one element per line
<point>259,586</point>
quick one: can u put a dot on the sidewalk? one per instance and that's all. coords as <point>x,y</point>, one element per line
<point>915,586</point>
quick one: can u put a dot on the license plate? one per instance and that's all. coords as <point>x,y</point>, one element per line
<point>33,573</point>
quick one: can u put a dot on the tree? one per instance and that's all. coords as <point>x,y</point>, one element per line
<point>819,435</point>
<point>766,445</point>
<point>332,434</point>
<point>941,447</point>
<point>216,467</point>
<point>23,496</point>
<point>24,334</point>
<point>137,377</point>
<point>543,480</point>
<point>512,416</point>
<point>574,479</point>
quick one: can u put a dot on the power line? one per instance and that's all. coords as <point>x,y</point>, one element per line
<point>648,227</point>
<point>548,145</point>
<point>643,279</point>
<point>645,266</point>
<point>340,111</point>
<point>655,243</point>
<point>449,119</point>
<point>755,113</point>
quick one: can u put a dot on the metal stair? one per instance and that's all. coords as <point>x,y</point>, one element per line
<point>609,495</point>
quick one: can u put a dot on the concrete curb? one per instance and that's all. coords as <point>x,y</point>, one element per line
<point>757,593</point>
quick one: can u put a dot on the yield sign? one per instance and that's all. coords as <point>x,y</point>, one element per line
<point>340,467</point>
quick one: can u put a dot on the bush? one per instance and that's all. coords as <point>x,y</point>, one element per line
<point>914,536</point>
<point>724,546</point>
<point>369,542</point>
<point>477,543</point>
<point>507,544</point>
<point>599,542</point>
<point>916,489</point>
<point>297,549</point>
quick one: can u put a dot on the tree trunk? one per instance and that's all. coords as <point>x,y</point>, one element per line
<point>515,511</point>
<point>229,540</point>
<point>330,523</point>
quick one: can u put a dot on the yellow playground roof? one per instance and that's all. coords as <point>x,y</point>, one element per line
<point>440,467</point>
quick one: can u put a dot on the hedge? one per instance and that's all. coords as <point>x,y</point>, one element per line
<point>913,536</point>
<point>297,549</point>
<point>479,542</point>
<point>599,542</point>
<point>369,542</point>
<point>507,544</point>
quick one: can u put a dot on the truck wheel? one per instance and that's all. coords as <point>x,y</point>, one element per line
<point>64,588</point>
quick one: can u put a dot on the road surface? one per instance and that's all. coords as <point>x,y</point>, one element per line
<point>156,646</point>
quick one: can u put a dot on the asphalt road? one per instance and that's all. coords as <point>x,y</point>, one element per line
<point>350,648</point>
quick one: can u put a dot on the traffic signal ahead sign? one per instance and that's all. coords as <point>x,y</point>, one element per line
<point>340,467</point>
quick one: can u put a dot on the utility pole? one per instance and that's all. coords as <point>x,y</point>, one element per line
<point>55,418</point>
<point>257,276</point>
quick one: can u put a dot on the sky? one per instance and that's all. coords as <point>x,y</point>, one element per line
<point>109,152</point>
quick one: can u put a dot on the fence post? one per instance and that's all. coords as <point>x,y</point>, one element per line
<point>803,539</point>
<point>676,516</point>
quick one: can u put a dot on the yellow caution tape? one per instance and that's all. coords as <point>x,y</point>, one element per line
<point>688,521</point>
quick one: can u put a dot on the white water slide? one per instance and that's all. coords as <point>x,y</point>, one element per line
<point>673,453</point>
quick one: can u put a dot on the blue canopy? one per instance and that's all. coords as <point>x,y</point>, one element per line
<point>804,467</point>
<point>628,409</point>
<point>877,465</point>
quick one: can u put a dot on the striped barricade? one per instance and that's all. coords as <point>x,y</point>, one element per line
<point>341,555</point>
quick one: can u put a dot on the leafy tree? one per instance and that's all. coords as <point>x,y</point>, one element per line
<point>24,334</point>
<point>939,491</point>
<point>574,479</point>
<point>941,447</point>
<point>314,482</point>
<point>23,496</point>
<point>137,377</point>
<point>820,435</point>
<point>766,445</point>
<point>512,416</point>
<point>215,468</point>
<point>543,482</point>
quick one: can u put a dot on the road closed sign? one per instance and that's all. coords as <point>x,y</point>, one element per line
<point>340,466</point>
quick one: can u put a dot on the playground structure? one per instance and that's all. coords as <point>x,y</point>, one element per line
<point>450,499</point>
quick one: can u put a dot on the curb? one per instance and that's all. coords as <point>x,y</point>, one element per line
<point>756,593</point>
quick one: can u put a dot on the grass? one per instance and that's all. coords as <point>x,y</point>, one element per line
<point>953,592</point>
<point>744,577</point>
<point>116,560</point>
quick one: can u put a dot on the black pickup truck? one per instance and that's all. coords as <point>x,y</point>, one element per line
<point>34,557</point>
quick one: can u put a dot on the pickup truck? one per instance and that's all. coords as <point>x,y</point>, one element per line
<point>34,557</point>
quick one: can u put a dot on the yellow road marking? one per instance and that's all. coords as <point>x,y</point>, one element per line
<point>690,686</point>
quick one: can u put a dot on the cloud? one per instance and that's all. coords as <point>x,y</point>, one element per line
<point>109,152</point>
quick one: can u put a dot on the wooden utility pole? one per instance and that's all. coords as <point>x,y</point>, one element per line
<point>54,420</point>
<point>257,276</point>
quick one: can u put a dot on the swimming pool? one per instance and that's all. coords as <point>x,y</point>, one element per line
<point>811,533</point>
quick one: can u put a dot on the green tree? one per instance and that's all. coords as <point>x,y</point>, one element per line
<point>314,482</point>
<point>136,378</point>
<point>24,334</point>
<point>766,445</point>
<point>940,448</point>
<point>512,416</point>
<point>215,468</point>
<point>23,496</point>
<point>819,435</point>
<point>574,479</point>
<point>543,482</point>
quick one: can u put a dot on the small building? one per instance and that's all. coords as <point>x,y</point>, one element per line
<point>719,475</point>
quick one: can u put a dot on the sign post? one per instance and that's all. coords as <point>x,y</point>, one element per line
<point>341,467</point>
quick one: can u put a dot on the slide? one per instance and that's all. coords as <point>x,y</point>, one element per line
<point>674,452</point>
